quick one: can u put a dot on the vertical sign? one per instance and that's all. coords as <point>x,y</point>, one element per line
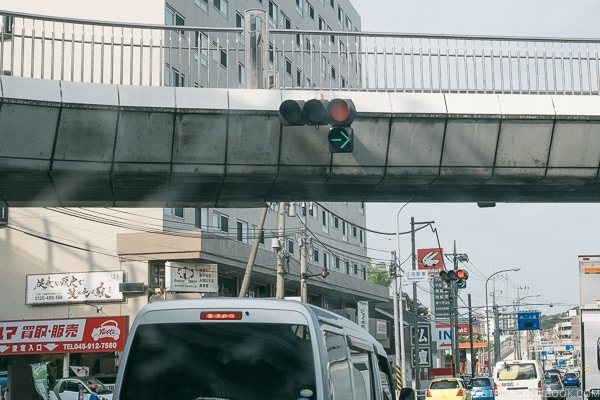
<point>423,345</point>
<point>363,314</point>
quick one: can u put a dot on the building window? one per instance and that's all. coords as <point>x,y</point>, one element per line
<point>220,222</point>
<point>290,246</point>
<point>242,231</point>
<point>313,210</point>
<point>285,22</point>
<point>201,43</point>
<point>335,221</point>
<point>363,272</point>
<point>355,268</point>
<point>273,12</point>
<point>343,82</point>
<point>239,23</point>
<point>324,66</point>
<point>201,218</point>
<point>333,73</point>
<point>219,55</point>
<point>322,24</point>
<point>361,207</point>
<point>354,231</point>
<point>347,267</point>
<point>344,231</point>
<point>288,66</point>
<point>203,4</point>
<point>300,6</point>
<point>310,10</point>
<point>173,77</point>
<point>325,260</point>
<point>341,17</point>
<point>7,25</point>
<point>222,6</point>
<point>173,18</point>
<point>177,212</point>
<point>348,23</point>
<point>325,221</point>
<point>315,256</point>
<point>336,262</point>
<point>241,75</point>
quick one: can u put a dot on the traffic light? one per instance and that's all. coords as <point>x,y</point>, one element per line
<point>461,278</point>
<point>338,113</point>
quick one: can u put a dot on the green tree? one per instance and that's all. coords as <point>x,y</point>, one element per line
<point>378,274</point>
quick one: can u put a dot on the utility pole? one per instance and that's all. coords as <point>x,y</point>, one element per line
<point>280,251</point>
<point>454,326</point>
<point>252,258</point>
<point>415,309</point>
<point>303,265</point>
<point>471,336</point>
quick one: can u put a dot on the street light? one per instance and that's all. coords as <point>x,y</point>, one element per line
<point>516,304</point>
<point>487,313</point>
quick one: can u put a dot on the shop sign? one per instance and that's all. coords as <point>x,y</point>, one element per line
<point>74,287</point>
<point>191,277</point>
<point>58,336</point>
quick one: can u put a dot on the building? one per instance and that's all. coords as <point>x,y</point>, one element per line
<point>67,264</point>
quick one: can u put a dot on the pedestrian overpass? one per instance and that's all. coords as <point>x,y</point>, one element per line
<point>155,116</point>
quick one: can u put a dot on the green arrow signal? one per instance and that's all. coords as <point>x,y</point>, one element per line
<point>341,140</point>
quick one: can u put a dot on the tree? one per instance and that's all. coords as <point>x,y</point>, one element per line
<point>378,274</point>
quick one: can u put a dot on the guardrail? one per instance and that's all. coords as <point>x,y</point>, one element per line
<point>155,55</point>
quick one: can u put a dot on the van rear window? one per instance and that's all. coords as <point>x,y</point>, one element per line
<point>515,372</point>
<point>196,361</point>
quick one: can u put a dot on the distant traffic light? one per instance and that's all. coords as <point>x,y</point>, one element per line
<point>338,113</point>
<point>461,278</point>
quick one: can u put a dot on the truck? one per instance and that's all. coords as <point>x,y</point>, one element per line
<point>589,306</point>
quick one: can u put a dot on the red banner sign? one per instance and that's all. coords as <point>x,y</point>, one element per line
<point>73,335</point>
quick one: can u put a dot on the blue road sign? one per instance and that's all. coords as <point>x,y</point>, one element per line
<point>528,320</point>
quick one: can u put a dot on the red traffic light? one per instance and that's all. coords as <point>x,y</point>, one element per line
<point>341,112</point>
<point>461,274</point>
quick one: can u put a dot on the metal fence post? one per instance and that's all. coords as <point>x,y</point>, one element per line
<point>256,46</point>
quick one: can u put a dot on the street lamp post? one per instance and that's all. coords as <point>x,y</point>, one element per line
<point>487,313</point>
<point>516,304</point>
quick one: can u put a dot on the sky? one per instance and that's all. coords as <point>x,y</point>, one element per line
<point>543,240</point>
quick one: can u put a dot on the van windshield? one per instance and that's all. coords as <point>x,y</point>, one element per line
<point>517,372</point>
<point>235,361</point>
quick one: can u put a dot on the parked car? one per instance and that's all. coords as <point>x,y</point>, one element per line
<point>68,388</point>
<point>571,379</point>
<point>554,387</point>
<point>482,388</point>
<point>448,389</point>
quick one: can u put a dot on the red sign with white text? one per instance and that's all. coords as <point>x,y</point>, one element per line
<point>431,260</point>
<point>57,336</point>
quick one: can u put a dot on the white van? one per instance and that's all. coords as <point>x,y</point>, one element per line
<point>519,380</point>
<point>249,349</point>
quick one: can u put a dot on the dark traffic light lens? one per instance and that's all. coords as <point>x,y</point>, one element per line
<point>290,113</point>
<point>316,113</point>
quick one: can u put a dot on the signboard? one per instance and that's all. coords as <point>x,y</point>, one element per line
<point>423,335</point>
<point>191,277</point>
<point>416,276</point>
<point>528,320</point>
<point>57,336</point>
<point>431,260</point>
<point>444,334</point>
<point>363,314</point>
<point>423,345</point>
<point>441,299</point>
<point>75,287</point>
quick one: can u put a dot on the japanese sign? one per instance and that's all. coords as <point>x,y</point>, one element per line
<point>423,345</point>
<point>57,336</point>
<point>416,276</point>
<point>363,314</point>
<point>191,277</point>
<point>441,299</point>
<point>77,287</point>
<point>40,378</point>
<point>528,320</point>
<point>431,260</point>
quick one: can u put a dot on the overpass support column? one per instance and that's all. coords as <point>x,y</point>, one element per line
<point>256,49</point>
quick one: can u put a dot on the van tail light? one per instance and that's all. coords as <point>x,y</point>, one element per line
<point>539,387</point>
<point>428,393</point>
<point>495,389</point>
<point>220,315</point>
<point>459,393</point>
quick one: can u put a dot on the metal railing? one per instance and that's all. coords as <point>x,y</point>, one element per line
<point>157,55</point>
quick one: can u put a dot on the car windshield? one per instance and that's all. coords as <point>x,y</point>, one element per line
<point>236,361</point>
<point>551,378</point>
<point>449,384</point>
<point>480,382</point>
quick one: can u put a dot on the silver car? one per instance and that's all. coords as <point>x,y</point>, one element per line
<point>555,389</point>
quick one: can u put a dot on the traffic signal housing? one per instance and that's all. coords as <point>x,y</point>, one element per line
<point>459,276</point>
<point>338,113</point>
